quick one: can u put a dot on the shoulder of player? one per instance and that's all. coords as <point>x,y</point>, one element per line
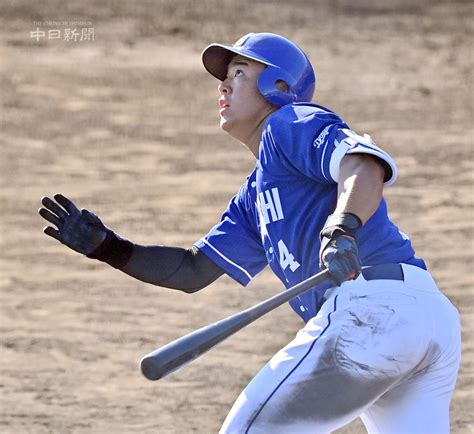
<point>300,113</point>
<point>296,123</point>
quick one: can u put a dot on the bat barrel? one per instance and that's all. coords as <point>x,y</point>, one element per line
<point>172,356</point>
<point>149,368</point>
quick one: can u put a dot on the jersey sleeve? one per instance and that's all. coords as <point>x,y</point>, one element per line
<point>234,244</point>
<point>312,142</point>
<point>347,141</point>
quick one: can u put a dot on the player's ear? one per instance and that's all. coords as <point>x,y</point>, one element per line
<point>282,86</point>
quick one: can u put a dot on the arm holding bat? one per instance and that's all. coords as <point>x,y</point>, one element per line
<point>188,270</point>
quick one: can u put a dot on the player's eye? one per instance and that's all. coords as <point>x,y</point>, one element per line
<point>235,73</point>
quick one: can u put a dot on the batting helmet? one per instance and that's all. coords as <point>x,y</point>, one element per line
<point>285,62</point>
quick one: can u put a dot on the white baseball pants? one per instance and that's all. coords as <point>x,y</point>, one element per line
<point>385,350</point>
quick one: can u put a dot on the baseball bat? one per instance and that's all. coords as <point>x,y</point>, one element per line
<point>185,349</point>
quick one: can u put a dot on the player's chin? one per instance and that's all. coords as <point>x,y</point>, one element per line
<point>225,124</point>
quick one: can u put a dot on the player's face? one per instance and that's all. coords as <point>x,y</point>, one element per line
<point>242,107</point>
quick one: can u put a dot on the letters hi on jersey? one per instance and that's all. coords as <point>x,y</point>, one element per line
<point>270,210</point>
<point>269,206</point>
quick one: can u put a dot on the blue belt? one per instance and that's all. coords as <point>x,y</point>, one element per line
<point>383,272</point>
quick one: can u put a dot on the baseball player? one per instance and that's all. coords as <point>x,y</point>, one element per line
<point>380,341</point>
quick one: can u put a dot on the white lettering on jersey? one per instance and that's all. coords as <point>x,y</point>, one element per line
<point>269,205</point>
<point>322,137</point>
<point>286,258</point>
<point>263,225</point>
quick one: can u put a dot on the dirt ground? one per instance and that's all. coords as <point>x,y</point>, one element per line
<point>127,125</point>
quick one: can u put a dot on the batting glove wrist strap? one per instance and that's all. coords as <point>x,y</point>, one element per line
<point>344,223</point>
<point>114,250</point>
<point>338,251</point>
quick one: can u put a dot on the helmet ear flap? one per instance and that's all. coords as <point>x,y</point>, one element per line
<point>270,86</point>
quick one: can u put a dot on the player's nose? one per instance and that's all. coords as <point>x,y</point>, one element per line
<point>224,88</point>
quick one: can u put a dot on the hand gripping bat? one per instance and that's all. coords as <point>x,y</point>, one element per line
<point>184,350</point>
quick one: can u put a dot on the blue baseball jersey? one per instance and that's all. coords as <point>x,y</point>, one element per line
<point>277,215</point>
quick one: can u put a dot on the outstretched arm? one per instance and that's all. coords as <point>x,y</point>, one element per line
<point>188,270</point>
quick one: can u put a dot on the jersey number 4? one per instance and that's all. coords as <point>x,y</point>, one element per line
<point>286,258</point>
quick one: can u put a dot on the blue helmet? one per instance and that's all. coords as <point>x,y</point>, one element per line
<point>285,62</point>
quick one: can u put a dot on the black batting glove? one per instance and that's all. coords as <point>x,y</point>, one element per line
<point>84,232</point>
<point>80,230</point>
<point>339,253</point>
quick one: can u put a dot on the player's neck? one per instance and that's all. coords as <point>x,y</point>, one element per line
<point>252,137</point>
<point>252,143</point>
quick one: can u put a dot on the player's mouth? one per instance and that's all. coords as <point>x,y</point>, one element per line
<point>223,105</point>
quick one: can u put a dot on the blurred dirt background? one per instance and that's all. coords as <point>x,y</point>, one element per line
<point>127,125</point>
